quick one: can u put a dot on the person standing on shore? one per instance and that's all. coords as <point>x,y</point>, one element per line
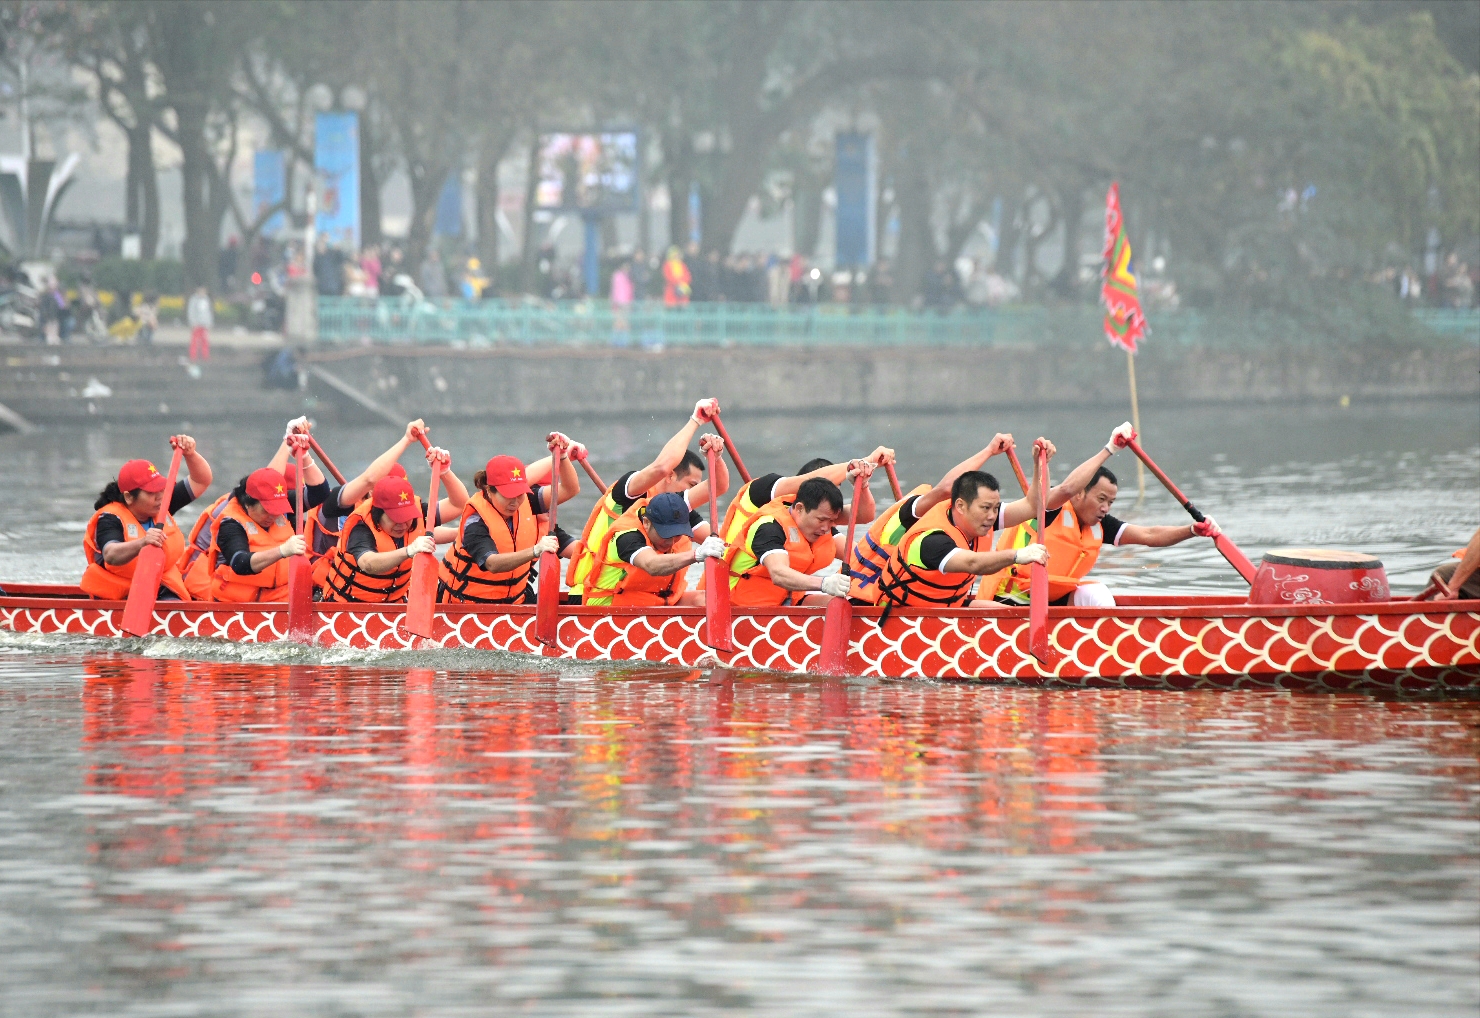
<point>200,318</point>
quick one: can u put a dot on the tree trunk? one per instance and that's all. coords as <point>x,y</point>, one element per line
<point>199,252</point>
<point>495,146</point>
<point>678,166</point>
<point>426,188</point>
<point>529,251</point>
<point>369,186</point>
<point>142,192</point>
<point>916,245</point>
<point>1065,282</point>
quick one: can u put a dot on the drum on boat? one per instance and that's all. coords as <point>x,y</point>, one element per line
<point>1301,576</point>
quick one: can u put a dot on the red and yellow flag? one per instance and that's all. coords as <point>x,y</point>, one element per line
<point>1125,325</point>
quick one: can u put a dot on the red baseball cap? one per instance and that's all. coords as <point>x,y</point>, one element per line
<point>140,475</point>
<point>393,496</point>
<point>506,476</point>
<point>396,470</point>
<point>271,489</point>
<point>290,474</point>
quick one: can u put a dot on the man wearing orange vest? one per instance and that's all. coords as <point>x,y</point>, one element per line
<point>756,493</point>
<point>645,555</point>
<point>870,553</point>
<point>940,557</point>
<point>677,468</point>
<point>787,544</point>
<point>1077,525</point>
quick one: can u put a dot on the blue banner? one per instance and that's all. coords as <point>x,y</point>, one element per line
<point>336,161</point>
<point>268,176</point>
<point>449,221</point>
<point>855,184</point>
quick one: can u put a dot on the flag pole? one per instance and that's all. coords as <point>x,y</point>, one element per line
<point>1130,367</point>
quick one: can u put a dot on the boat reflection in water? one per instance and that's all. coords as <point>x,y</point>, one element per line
<point>701,841</point>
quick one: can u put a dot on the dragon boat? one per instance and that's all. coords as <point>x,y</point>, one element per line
<point>1399,646</point>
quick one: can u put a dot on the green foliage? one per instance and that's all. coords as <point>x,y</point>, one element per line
<point>126,277</point>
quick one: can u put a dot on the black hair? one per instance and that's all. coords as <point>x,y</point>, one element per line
<point>971,482</point>
<point>1106,474</point>
<point>816,464</point>
<point>240,494</point>
<point>818,490</point>
<point>112,493</point>
<point>690,461</point>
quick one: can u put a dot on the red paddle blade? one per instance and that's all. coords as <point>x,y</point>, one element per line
<point>143,589</point>
<point>421,596</point>
<point>547,601</point>
<point>303,621</point>
<point>1038,616</point>
<point>719,632</point>
<point>833,660</point>
<point>1235,558</point>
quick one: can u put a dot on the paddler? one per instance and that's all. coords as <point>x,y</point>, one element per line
<point>766,488</point>
<point>1077,525</point>
<point>787,544</point>
<point>1460,576</point>
<point>940,556</point>
<point>122,524</point>
<point>677,469</point>
<point>251,541</point>
<point>870,553</point>
<point>504,529</point>
<point>645,556</point>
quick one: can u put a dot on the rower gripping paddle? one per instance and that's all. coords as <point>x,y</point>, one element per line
<point>719,426</point>
<point>302,619</point>
<point>1223,542</point>
<point>837,627</point>
<point>143,589</point>
<point>1038,592</point>
<point>719,627</point>
<point>421,596</point>
<point>547,598</point>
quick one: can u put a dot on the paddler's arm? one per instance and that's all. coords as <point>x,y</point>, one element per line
<point>1024,509</point>
<point>378,563</point>
<point>1462,572</point>
<point>450,507</point>
<point>654,564</point>
<point>1081,475</point>
<point>698,495</point>
<point>1155,537</point>
<point>1000,442</point>
<point>672,454</point>
<point>200,470</point>
<point>512,560</point>
<point>866,507</point>
<point>355,490</point>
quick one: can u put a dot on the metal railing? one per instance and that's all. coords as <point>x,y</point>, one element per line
<point>391,320</point>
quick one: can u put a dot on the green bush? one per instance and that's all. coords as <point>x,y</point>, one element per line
<point>126,277</point>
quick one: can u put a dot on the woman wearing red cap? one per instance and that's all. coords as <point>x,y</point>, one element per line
<point>123,523</point>
<point>248,560</point>
<point>500,535</point>
<point>372,561</point>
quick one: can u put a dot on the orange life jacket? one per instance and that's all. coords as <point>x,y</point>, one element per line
<point>1072,553</point>
<point>320,541</point>
<point>460,578</point>
<point>193,564</point>
<point>870,554</point>
<point>750,581</point>
<point>906,580</point>
<point>345,581</point>
<point>111,583</point>
<point>621,584</point>
<point>271,584</point>
<point>583,553</point>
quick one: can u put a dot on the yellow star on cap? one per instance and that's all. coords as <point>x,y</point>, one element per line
<point>514,473</point>
<point>405,498</point>
<point>153,469</point>
<point>281,489</point>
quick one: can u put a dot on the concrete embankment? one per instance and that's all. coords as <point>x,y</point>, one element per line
<point>61,385</point>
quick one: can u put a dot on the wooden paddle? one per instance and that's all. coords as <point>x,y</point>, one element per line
<point>421,596</point>
<point>719,426</point>
<point>318,451</point>
<point>1038,594</point>
<point>143,589</point>
<point>547,598</point>
<point>1224,543</point>
<point>894,487</point>
<point>302,619</point>
<point>719,626</point>
<point>836,628</point>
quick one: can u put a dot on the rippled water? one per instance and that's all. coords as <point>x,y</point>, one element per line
<point>209,838</point>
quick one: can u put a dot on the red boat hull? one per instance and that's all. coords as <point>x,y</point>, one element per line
<point>1154,642</point>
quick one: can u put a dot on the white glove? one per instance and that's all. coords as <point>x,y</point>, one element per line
<point>705,411</point>
<point>1120,438</point>
<point>712,547</point>
<point>292,546</point>
<point>297,426</point>
<point>1032,553</point>
<point>577,451</point>
<point>1207,527</point>
<point>422,545</point>
<point>437,453</point>
<point>836,585</point>
<point>548,543</point>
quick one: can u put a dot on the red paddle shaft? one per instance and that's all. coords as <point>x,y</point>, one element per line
<point>1038,592</point>
<point>1224,543</point>
<point>719,625</point>
<point>318,451</point>
<point>143,588</point>
<point>894,488</point>
<point>836,628</point>
<point>1017,468</point>
<point>585,462</point>
<point>421,595</point>
<point>547,597</point>
<point>719,426</point>
<point>301,620</point>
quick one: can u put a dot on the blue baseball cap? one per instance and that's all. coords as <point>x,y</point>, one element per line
<point>668,514</point>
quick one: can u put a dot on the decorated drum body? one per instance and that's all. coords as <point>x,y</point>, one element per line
<point>1301,576</point>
